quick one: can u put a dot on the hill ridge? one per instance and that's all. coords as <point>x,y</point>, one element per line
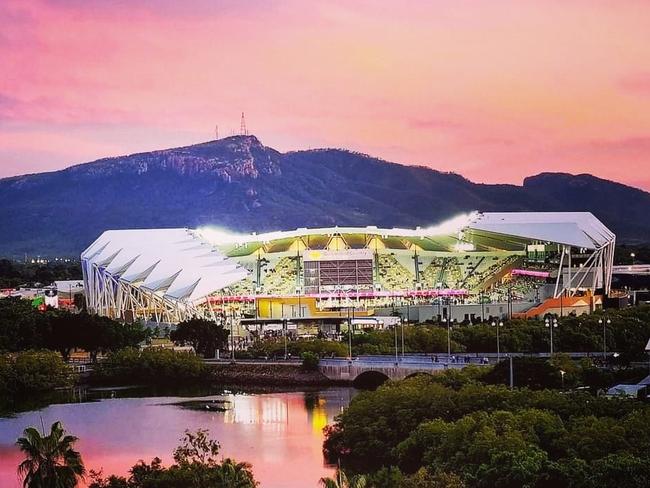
<point>239,183</point>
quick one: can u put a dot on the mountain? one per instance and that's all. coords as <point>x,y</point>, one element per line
<point>239,184</point>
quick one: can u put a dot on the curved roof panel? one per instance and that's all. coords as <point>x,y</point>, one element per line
<point>175,263</point>
<point>577,229</point>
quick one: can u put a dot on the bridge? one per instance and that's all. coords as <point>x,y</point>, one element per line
<point>390,367</point>
<point>636,269</point>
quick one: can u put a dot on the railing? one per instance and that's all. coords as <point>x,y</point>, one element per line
<point>461,359</point>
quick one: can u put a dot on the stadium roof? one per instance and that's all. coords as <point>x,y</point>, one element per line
<point>187,266</point>
<point>484,231</point>
<point>577,229</point>
<point>173,263</point>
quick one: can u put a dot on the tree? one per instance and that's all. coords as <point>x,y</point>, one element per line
<point>341,480</point>
<point>231,474</point>
<point>423,479</point>
<point>67,331</point>
<point>51,461</point>
<point>528,372</point>
<point>39,371</point>
<point>92,333</point>
<point>309,361</point>
<point>21,325</point>
<point>204,335</point>
<point>150,366</point>
<point>197,448</point>
<point>196,466</point>
<point>621,470</point>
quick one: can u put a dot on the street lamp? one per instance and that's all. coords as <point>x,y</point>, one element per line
<point>551,325</point>
<point>349,333</point>
<point>500,324</point>
<point>512,376</point>
<point>604,323</point>
<point>396,350</point>
<point>232,335</point>
<point>408,312</point>
<point>632,255</point>
<point>284,330</point>
<point>449,337</point>
<point>562,373</point>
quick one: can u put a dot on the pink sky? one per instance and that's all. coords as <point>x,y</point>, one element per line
<point>494,90</point>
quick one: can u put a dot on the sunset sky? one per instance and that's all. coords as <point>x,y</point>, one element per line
<point>493,90</point>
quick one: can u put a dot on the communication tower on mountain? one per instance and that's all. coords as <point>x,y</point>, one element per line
<point>242,127</point>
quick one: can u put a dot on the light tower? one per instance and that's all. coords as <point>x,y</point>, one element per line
<point>242,127</point>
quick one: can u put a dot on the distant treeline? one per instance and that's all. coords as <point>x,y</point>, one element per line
<point>623,254</point>
<point>15,273</point>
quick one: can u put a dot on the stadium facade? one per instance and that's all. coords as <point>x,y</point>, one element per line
<point>168,275</point>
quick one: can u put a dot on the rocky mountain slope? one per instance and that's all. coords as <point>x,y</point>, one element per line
<point>240,184</point>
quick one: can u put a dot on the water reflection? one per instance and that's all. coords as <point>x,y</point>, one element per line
<point>273,431</point>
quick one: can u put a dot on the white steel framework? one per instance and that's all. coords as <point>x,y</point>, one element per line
<point>154,274</point>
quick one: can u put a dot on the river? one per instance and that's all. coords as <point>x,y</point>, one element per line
<point>279,433</point>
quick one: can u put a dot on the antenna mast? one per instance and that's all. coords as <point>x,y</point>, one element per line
<point>242,127</point>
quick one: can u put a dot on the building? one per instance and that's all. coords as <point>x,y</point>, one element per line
<point>530,263</point>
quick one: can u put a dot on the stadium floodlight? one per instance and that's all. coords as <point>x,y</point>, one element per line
<point>463,246</point>
<point>217,236</point>
<point>448,227</point>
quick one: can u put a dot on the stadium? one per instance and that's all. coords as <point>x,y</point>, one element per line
<point>474,267</point>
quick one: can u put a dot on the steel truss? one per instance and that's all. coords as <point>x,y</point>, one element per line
<point>109,296</point>
<point>598,267</point>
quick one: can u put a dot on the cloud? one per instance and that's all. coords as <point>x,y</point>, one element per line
<point>636,83</point>
<point>56,111</point>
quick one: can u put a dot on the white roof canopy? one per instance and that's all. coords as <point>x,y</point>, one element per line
<point>577,229</point>
<point>174,263</point>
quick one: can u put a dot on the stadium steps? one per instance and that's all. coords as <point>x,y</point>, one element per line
<point>507,266</point>
<point>554,305</point>
<point>472,271</point>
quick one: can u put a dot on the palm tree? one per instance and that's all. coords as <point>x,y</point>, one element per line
<point>341,480</point>
<point>50,460</point>
<point>235,475</point>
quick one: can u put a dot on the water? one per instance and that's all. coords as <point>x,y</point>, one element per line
<point>279,433</point>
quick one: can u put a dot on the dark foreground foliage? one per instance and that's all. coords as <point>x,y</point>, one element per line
<point>196,465</point>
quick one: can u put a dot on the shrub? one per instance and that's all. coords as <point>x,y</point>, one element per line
<point>33,371</point>
<point>150,366</point>
<point>309,361</point>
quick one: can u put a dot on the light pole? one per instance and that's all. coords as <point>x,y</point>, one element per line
<point>407,314</point>
<point>632,255</point>
<point>232,335</point>
<point>512,376</point>
<point>396,350</point>
<point>349,334</point>
<point>499,325</point>
<point>284,330</point>
<point>604,323</point>
<point>448,338</point>
<point>551,325</point>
